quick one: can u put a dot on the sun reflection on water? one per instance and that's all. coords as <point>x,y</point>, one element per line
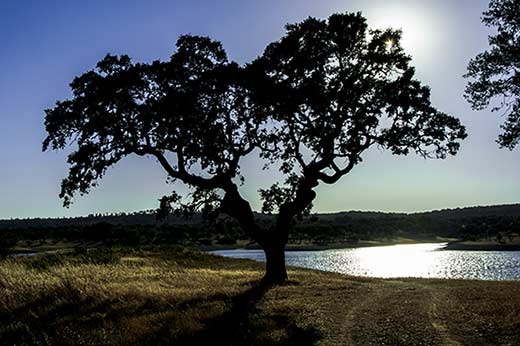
<point>414,260</point>
<point>398,260</point>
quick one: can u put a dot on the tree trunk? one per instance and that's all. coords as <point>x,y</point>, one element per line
<point>275,271</point>
<point>272,242</point>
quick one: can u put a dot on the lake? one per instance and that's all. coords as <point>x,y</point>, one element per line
<point>411,260</point>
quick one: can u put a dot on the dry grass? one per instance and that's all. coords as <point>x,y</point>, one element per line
<point>145,298</point>
<point>185,298</point>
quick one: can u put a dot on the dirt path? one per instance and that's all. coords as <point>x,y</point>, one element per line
<point>388,313</point>
<point>436,320</point>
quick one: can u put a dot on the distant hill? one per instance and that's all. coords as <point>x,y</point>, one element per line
<point>512,210</point>
<point>467,223</point>
<point>499,223</point>
<point>148,217</point>
<point>478,211</point>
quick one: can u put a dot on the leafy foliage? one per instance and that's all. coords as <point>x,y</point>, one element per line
<point>333,89</point>
<point>494,74</point>
<point>161,109</point>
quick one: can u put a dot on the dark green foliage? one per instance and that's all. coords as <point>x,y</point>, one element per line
<point>5,246</point>
<point>147,217</point>
<point>494,74</point>
<point>98,232</point>
<point>44,262</point>
<point>466,223</point>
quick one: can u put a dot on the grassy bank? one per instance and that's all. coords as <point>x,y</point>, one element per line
<point>313,246</point>
<point>181,297</point>
<point>483,245</point>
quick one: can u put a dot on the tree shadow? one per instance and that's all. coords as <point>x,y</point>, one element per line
<point>242,323</point>
<point>44,320</point>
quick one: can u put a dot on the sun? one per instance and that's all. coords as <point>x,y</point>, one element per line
<point>420,30</point>
<point>389,44</point>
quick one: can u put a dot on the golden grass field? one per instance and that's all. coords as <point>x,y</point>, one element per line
<point>182,297</point>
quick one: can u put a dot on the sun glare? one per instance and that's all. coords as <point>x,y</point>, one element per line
<point>389,44</point>
<point>419,32</point>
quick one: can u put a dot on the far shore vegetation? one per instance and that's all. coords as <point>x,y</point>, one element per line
<point>476,228</point>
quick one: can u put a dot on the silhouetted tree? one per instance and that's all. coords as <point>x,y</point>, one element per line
<point>333,89</point>
<point>314,101</point>
<point>191,113</point>
<point>495,73</point>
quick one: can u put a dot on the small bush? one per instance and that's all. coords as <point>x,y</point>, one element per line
<point>227,240</point>
<point>45,261</point>
<point>5,247</point>
<point>99,256</point>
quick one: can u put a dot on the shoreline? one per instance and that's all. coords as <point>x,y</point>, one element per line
<point>329,246</point>
<point>450,244</point>
<point>480,246</point>
<point>454,245</point>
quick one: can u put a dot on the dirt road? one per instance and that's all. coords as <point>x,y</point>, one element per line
<point>360,311</point>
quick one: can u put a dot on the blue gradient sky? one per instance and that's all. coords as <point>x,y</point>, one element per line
<point>44,44</point>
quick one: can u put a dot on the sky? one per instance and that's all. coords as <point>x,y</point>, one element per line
<point>45,44</point>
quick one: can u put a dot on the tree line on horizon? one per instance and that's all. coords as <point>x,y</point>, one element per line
<point>493,223</point>
<point>149,217</point>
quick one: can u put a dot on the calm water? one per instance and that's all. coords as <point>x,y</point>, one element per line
<point>417,260</point>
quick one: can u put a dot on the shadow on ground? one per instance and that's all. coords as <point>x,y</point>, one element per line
<point>215,320</point>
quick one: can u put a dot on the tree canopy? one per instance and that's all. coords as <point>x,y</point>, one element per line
<point>311,104</point>
<point>193,106</point>
<point>495,74</point>
<point>333,89</point>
